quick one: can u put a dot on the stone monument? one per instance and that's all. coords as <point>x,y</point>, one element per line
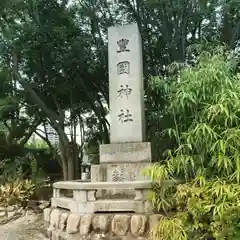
<point>115,202</point>
<point>127,154</point>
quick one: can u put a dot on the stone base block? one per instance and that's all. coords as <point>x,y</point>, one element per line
<point>125,152</point>
<point>124,226</point>
<point>123,206</point>
<point>119,172</point>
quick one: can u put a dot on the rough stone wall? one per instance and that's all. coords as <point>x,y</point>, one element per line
<point>121,226</point>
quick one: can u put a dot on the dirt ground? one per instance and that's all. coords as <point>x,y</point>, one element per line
<point>25,228</point>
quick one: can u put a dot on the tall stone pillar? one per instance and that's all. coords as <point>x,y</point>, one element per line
<point>128,153</point>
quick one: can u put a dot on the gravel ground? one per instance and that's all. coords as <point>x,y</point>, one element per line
<point>25,228</point>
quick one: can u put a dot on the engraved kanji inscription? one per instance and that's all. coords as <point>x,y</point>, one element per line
<point>122,44</point>
<point>124,91</point>
<point>123,67</point>
<point>117,175</point>
<point>125,116</point>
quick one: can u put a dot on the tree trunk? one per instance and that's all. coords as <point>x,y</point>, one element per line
<point>71,168</point>
<point>77,163</point>
<point>65,170</point>
<point>68,159</point>
<point>56,121</point>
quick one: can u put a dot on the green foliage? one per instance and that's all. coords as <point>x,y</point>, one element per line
<point>211,208</point>
<point>60,48</point>
<point>20,179</point>
<point>38,144</point>
<point>167,227</point>
<point>17,192</point>
<point>21,168</point>
<point>204,105</point>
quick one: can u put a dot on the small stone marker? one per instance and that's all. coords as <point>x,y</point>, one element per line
<point>126,84</point>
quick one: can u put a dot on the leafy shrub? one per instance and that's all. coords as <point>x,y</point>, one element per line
<point>20,168</point>
<point>20,180</point>
<point>10,170</point>
<point>17,192</point>
<point>205,107</point>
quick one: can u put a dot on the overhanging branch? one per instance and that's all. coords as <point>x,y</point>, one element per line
<point>30,90</point>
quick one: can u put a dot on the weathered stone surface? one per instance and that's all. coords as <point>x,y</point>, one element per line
<point>73,223</point>
<point>80,196</point>
<point>46,214</point>
<point>66,236</point>
<point>54,218</point>
<point>43,205</point>
<point>49,232</point>
<point>11,208</point>
<point>125,152</point>
<point>63,220</point>
<point>98,236</point>
<point>101,222</point>
<point>148,206</point>
<point>91,195</point>
<point>11,214</point>
<point>97,173</point>
<point>85,224</point>
<point>138,225</point>
<point>120,224</point>
<point>62,202</point>
<point>86,186</point>
<point>56,193</point>
<point>29,212</point>
<point>21,209</point>
<point>129,236</point>
<point>126,73</point>
<point>138,195</point>
<point>120,206</point>
<point>131,171</point>
<point>3,214</point>
<point>55,235</point>
<point>154,220</point>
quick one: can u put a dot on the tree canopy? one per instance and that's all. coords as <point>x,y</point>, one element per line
<point>57,52</point>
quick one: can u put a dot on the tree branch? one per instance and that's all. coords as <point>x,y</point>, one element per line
<point>60,111</point>
<point>30,90</point>
<point>31,131</point>
<point>44,138</point>
<point>53,117</point>
<point>6,125</point>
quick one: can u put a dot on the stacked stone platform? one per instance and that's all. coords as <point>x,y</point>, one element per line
<point>64,225</point>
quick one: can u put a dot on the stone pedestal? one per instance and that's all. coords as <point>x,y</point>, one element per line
<point>121,162</point>
<point>136,152</point>
<point>84,199</point>
<point>118,172</point>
